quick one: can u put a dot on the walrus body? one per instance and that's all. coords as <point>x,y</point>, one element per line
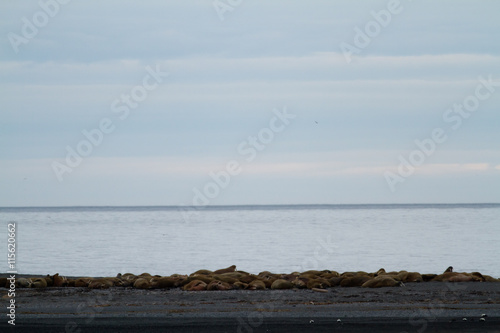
<point>196,285</point>
<point>281,284</point>
<point>39,283</point>
<point>381,281</point>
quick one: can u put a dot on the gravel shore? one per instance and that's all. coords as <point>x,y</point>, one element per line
<point>417,307</point>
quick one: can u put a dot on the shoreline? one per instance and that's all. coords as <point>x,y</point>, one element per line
<point>437,306</point>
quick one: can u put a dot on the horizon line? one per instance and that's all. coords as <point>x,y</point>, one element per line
<point>259,205</point>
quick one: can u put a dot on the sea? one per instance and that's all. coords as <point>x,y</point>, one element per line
<point>105,241</point>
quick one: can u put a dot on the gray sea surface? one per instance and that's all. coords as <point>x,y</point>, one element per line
<point>104,241</point>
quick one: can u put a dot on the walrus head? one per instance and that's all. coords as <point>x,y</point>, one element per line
<point>449,269</point>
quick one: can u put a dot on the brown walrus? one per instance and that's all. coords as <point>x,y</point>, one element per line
<point>453,277</point>
<point>163,282</point>
<point>256,285</point>
<point>226,270</point>
<point>428,277</point>
<point>410,277</point>
<point>205,278</point>
<point>240,285</point>
<point>335,281</point>
<point>281,284</point>
<point>39,283</point>
<point>319,283</point>
<point>49,280</point>
<point>243,277</point>
<point>142,283</point>
<point>100,284</point>
<point>195,285</point>
<point>224,278</point>
<point>354,281</point>
<point>202,272</point>
<point>381,281</point>
<point>23,283</point>
<point>83,282</point>
<point>219,285</point>
<point>299,283</point>
<point>59,281</point>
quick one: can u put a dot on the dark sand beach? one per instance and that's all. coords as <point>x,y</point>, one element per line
<point>416,307</point>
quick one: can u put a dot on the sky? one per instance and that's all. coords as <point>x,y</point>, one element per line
<point>202,102</point>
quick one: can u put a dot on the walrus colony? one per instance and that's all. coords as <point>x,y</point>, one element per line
<point>229,279</point>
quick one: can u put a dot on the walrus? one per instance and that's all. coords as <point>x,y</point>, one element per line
<point>488,278</point>
<point>354,281</point>
<point>335,281</point>
<point>453,277</point>
<point>219,285</point>
<point>195,285</point>
<point>243,277</point>
<point>59,281</point>
<point>126,276</point>
<point>428,277</point>
<point>268,279</point>
<point>103,283</point>
<point>205,278</point>
<point>460,278</point>
<point>226,270</point>
<point>50,281</point>
<point>163,282</point>
<point>410,277</point>
<point>319,283</point>
<point>300,284</point>
<point>312,272</point>
<point>449,269</point>
<point>83,282</point>
<point>329,275</point>
<point>240,285</point>
<point>142,283</point>
<point>281,284</point>
<point>23,283</point>
<point>39,283</point>
<point>256,285</point>
<point>266,274</point>
<point>180,280</point>
<point>202,272</point>
<point>226,279</point>
<point>381,281</point>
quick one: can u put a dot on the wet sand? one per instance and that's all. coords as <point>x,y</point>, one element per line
<point>417,307</point>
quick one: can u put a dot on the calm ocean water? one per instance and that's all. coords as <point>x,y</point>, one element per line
<point>103,241</point>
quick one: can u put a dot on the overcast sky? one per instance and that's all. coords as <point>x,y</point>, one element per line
<point>286,102</point>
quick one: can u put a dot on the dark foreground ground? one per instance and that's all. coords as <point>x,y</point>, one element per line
<point>417,307</point>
